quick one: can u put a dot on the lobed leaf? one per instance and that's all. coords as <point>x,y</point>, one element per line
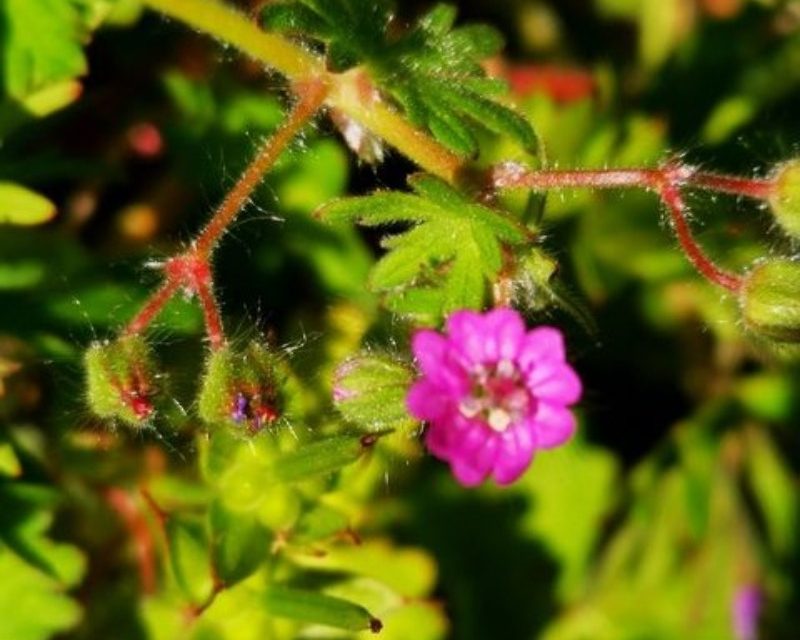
<point>432,70</point>
<point>453,245</point>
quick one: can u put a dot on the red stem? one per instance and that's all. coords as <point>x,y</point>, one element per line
<point>512,176</point>
<point>759,189</point>
<point>312,95</point>
<point>123,505</point>
<point>152,307</point>
<point>192,270</point>
<point>671,196</point>
<point>666,181</point>
<point>208,303</point>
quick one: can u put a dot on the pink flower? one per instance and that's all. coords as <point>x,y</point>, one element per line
<point>492,393</point>
<point>747,604</point>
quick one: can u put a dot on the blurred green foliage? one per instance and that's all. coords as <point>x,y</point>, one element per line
<point>681,488</point>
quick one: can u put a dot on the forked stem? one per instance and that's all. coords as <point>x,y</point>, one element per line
<point>311,96</point>
<point>191,271</point>
<point>666,181</point>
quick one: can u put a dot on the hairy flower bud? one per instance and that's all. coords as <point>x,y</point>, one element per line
<point>369,390</point>
<point>241,388</point>
<point>785,198</point>
<point>770,301</point>
<point>120,379</point>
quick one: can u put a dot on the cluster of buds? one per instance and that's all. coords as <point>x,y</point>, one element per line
<point>120,377</point>
<point>241,388</point>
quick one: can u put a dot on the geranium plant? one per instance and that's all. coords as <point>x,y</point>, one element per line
<point>422,248</point>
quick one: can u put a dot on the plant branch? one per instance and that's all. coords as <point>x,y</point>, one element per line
<point>311,96</point>
<point>230,26</point>
<point>213,319</point>
<point>514,176</point>
<point>666,181</point>
<point>124,506</point>
<point>671,196</point>
<point>152,307</point>
<point>347,90</point>
<point>760,189</point>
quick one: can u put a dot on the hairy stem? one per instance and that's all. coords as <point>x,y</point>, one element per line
<point>671,196</point>
<point>346,90</point>
<point>311,96</point>
<point>232,27</point>
<point>760,189</point>
<point>152,307</point>
<point>192,271</point>
<point>513,176</point>
<point>666,181</point>
<point>213,319</point>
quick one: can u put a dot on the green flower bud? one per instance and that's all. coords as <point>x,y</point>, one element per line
<point>785,198</point>
<point>241,388</point>
<point>120,379</point>
<point>770,301</point>
<point>369,390</point>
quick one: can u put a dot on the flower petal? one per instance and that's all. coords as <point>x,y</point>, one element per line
<point>465,329</point>
<point>467,475</point>
<point>543,344</point>
<point>555,382</point>
<point>554,425</point>
<point>471,467</point>
<point>516,454</point>
<point>435,360</point>
<point>438,440</point>
<point>497,335</point>
<point>426,401</point>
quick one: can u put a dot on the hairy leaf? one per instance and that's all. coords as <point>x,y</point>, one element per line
<point>452,250</point>
<point>432,70</point>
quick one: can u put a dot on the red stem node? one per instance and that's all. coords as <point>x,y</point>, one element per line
<point>671,196</point>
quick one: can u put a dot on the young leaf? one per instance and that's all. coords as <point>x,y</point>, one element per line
<point>318,458</point>
<point>453,249</point>
<point>317,608</point>
<point>239,544</point>
<point>190,557</point>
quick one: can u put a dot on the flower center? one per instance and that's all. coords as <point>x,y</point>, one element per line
<point>498,397</point>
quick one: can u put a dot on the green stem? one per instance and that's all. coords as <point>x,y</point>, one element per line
<point>349,92</point>
<point>230,26</point>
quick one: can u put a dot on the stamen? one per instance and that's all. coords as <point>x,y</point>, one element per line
<point>499,419</point>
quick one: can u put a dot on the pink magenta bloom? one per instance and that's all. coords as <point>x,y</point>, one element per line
<point>492,393</point>
<point>747,604</point>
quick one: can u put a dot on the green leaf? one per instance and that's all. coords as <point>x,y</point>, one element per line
<point>239,544</point>
<point>190,557</point>
<point>317,608</point>
<point>432,69</point>
<point>34,604</point>
<point>411,573</point>
<point>9,463</point>
<point>37,571</point>
<point>318,458</point>
<point>454,247</point>
<point>22,206</point>
<point>774,489</point>
<point>41,45</point>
